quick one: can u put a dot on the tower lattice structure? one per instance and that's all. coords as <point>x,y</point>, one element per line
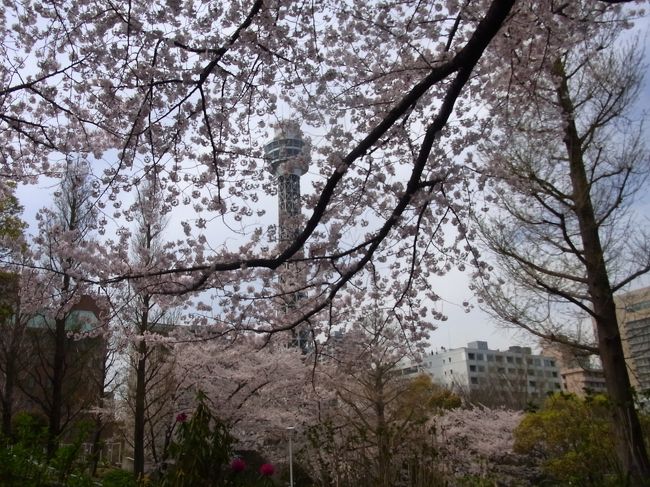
<point>287,157</point>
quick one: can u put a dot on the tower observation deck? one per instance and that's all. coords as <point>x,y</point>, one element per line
<point>288,160</point>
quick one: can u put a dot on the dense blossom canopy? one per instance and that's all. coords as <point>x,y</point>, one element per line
<point>392,94</point>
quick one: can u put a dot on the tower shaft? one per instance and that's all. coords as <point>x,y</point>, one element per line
<point>288,207</point>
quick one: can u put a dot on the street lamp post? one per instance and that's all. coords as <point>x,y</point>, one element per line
<point>290,430</point>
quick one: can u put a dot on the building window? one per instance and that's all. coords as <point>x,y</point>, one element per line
<point>472,368</point>
<point>532,383</point>
<point>490,358</point>
<point>470,356</point>
<point>501,370</point>
<point>529,361</point>
<point>509,359</point>
<point>518,360</point>
<point>481,368</point>
<point>474,380</point>
<point>479,356</point>
<point>499,358</point>
<point>632,308</point>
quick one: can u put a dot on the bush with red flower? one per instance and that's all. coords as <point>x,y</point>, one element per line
<point>267,470</point>
<point>202,454</point>
<point>237,465</point>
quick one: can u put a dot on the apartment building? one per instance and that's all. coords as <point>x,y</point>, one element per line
<point>633,313</point>
<point>514,377</point>
<point>580,371</point>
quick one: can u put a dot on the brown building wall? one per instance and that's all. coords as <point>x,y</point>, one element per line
<point>633,312</point>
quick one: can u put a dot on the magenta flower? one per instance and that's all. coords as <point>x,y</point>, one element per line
<point>267,470</point>
<point>181,417</point>
<point>237,465</point>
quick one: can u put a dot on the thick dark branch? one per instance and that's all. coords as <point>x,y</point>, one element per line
<point>464,62</point>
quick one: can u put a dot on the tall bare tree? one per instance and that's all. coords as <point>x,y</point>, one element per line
<point>565,167</point>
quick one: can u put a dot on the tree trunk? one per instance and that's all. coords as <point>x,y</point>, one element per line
<point>140,392</point>
<point>629,436</point>
<point>383,433</point>
<point>58,373</point>
<point>97,446</point>
<point>8,394</point>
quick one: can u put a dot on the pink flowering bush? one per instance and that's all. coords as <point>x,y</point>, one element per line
<point>478,443</point>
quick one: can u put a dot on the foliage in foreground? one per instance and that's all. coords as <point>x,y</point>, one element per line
<point>24,462</point>
<point>203,455</point>
<point>573,439</point>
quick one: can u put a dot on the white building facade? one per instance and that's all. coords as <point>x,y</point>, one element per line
<point>515,377</point>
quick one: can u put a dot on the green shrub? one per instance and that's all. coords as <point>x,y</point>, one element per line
<point>573,439</point>
<point>118,478</point>
<point>24,462</point>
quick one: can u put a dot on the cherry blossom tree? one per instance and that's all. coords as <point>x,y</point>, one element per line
<point>566,165</point>
<point>256,389</point>
<point>380,82</point>
<point>164,84</point>
<point>200,87</point>
<point>106,384</point>
<point>61,250</point>
<point>479,443</point>
<point>145,315</point>
<point>373,432</point>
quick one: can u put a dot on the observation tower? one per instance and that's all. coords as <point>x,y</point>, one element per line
<point>288,159</point>
<point>287,156</point>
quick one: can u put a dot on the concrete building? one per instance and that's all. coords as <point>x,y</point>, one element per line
<point>513,378</point>
<point>579,371</point>
<point>581,381</point>
<point>633,313</point>
<point>84,364</point>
